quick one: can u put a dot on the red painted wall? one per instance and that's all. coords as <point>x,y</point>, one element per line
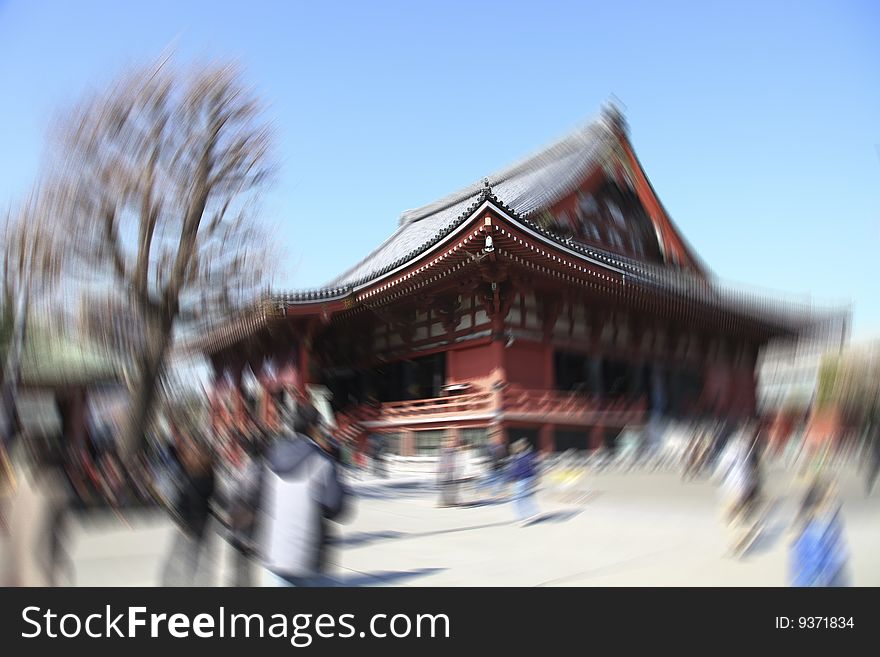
<point>529,364</point>
<point>470,364</point>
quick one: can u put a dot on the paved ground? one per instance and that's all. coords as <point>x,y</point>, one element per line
<point>626,529</point>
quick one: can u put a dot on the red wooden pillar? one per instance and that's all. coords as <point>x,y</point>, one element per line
<point>500,434</point>
<point>264,405</point>
<point>499,375</point>
<point>287,378</point>
<point>408,443</point>
<point>304,359</point>
<point>546,441</point>
<point>273,418</point>
<point>74,425</point>
<point>239,412</point>
<point>303,367</point>
<point>214,407</point>
<point>597,437</point>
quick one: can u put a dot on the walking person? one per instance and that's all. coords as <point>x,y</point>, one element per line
<point>300,494</point>
<point>377,455</point>
<point>39,504</point>
<point>242,509</point>
<point>818,554</point>
<point>188,561</point>
<point>448,473</point>
<point>347,456</point>
<point>524,473</point>
<point>497,455</point>
<point>740,469</point>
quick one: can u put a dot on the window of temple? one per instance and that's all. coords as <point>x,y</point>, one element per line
<point>623,224</point>
<point>588,216</point>
<point>587,206</point>
<point>393,443</point>
<point>617,215</point>
<point>571,371</point>
<point>618,378</point>
<point>428,443</point>
<point>417,378</point>
<point>474,437</point>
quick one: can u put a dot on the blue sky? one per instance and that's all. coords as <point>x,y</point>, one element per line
<point>757,122</point>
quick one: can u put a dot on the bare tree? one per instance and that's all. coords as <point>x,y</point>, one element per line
<point>158,178</point>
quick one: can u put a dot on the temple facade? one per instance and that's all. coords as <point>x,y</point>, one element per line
<point>554,300</point>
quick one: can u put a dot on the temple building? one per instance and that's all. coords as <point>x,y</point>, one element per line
<point>554,300</point>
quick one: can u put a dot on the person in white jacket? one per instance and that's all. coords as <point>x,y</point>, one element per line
<point>36,507</point>
<point>300,492</point>
<point>739,469</point>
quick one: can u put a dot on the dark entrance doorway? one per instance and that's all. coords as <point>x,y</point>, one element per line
<point>566,440</point>
<point>531,435</point>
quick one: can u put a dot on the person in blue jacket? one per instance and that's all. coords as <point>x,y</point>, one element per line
<point>524,473</point>
<point>819,554</point>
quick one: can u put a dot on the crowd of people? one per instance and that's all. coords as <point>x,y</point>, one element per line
<point>270,494</point>
<point>517,469</point>
<point>273,496</point>
<point>818,554</point>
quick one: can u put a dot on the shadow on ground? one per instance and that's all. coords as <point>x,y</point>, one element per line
<point>366,538</point>
<point>555,516</point>
<point>773,526</point>
<point>386,577</point>
<point>379,490</point>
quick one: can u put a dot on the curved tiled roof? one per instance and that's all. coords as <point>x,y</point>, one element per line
<point>527,186</point>
<point>520,190</point>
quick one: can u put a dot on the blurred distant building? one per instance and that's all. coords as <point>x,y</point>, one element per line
<point>555,300</point>
<point>848,398</point>
<point>65,384</point>
<point>789,375</point>
<point>788,371</point>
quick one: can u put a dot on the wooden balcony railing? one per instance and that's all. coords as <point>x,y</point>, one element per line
<point>520,400</point>
<point>467,404</point>
<point>521,403</point>
<point>510,403</point>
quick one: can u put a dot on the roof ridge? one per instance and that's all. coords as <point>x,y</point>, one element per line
<point>575,152</point>
<point>566,145</point>
<point>484,194</point>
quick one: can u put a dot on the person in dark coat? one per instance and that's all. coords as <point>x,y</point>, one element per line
<point>242,508</point>
<point>377,455</point>
<point>496,451</point>
<point>188,562</point>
